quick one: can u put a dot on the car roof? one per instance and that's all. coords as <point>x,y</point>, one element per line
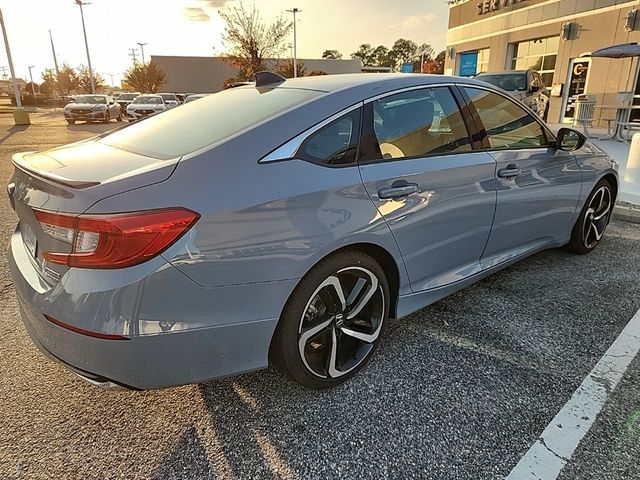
<point>506,72</point>
<point>366,85</point>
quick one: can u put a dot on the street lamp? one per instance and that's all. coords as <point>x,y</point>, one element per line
<point>20,117</point>
<point>33,88</point>
<point>55,63</point>
<point>142,50</point>
<point>295,61</point>
<point>80,3</point>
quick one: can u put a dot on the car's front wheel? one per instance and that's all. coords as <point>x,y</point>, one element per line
<point>593,219</point>
<point>332,321</point>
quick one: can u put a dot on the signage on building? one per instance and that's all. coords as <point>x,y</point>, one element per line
<point>488,6</point>
<point>577,84</point>
<point>407,68</point>
<point>468,64</point>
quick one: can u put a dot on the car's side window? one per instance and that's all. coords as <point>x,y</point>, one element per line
<point>508,125</point>
<point>334,144</point>
<point>419,123</point>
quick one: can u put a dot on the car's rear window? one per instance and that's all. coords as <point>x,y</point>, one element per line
<point>511,82</point>
<point>196,125</point>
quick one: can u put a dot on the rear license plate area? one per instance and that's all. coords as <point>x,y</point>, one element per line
<point>29,239</point>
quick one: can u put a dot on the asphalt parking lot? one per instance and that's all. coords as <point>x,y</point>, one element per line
<point>461,389</point>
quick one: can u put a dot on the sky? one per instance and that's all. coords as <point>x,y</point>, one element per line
<point>193,27</point>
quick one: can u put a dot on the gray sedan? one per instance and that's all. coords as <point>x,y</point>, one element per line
<point>91,108</point>
<point>286,221</point>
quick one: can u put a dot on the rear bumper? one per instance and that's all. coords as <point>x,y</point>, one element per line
<point>143,361</point>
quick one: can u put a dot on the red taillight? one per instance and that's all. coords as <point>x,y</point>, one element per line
<point>82,331</point>
<point>115,240</point>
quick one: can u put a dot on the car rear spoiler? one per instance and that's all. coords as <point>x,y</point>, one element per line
<point>19,162</point>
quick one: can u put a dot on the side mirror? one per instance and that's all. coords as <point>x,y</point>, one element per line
<point>570,140</point>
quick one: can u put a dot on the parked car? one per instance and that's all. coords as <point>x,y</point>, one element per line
<point>525,85</point>
<point>91,108</point>
<point>291,231</point>
<point>196,96</point>
<point>181,98</point>
<point>170,99</point>
<point>145,105</point>
<point>125,98</point>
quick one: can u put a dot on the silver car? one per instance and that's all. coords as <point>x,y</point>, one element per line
<point>92,108</point>
<point>144,105</point>
<point>286,221</point>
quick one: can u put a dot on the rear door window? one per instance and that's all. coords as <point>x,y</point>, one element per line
<point>419,123</point>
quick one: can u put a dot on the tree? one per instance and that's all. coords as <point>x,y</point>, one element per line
<point>380,57</point>
<point>331,55</point>
<point>49,84</point>
<point>68,80</point>
<point>29,90</point>
<point>436,65</point>
<point>403,51</point>
<point>365,54</point>
<point>84,80</point>
<point>147,78</point>
<point>315,73</point>
<point>286,68</point>
<point>250,41</point>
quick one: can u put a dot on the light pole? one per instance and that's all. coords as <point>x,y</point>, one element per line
<point>20,117</point>
<point>55,62</point>
<point>112,75</point>
<point>33,87</point>
<point>80,3</point>
<point>295,60</point>
<point>142,50</point>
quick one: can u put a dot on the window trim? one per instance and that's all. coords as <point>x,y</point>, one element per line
<point>367,136</point>
<point>551,138</point>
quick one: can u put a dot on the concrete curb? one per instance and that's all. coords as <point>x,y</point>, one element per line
<point>626,213</point>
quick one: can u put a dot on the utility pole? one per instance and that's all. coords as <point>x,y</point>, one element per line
<point>55,62</point>
<point>33,87</point>
<point>142,50</point>
<point>295,41</point>
<point>4,72</point>
<point>133,55</point>
<point>86,44</point>
<point>112,75</point>
<point>20,117</point>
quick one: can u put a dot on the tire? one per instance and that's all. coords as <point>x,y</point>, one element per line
<point>71,122</point>
<point>315,319</point>
<point>593,219</point>
<point>107,117</point>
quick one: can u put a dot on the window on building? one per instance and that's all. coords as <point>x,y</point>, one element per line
<point>483,60</point>
<point>508,126</point>
<point>419,123</point>
<point>473,62</point>
<point>539,55</point>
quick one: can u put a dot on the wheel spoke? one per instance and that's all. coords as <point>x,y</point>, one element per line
<point>587,231</point>
<point>603,214</point>
<point>312,332</point>
<point>371,286</point>
<point>335,283</point>
<point>331,364</point>
<point>597,233</point>
<point>365,337</point>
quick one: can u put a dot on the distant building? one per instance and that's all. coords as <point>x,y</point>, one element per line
<point>6,86</point>
<point>207,74</point>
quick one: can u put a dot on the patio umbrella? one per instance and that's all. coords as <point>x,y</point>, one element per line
<point>625,50</point>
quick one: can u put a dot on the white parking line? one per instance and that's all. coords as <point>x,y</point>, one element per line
<point>554,448</point>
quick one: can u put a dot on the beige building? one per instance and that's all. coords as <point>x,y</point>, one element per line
<point>554,37</point>
<point>207,74</point>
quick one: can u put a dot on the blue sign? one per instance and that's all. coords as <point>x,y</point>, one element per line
<point>468,64</point>
<point>407,68</point>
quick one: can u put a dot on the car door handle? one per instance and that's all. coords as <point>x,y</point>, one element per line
<point>398,190</point>
<point>511,170</point>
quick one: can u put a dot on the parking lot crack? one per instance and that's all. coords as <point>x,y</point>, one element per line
<point>544,444</point>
